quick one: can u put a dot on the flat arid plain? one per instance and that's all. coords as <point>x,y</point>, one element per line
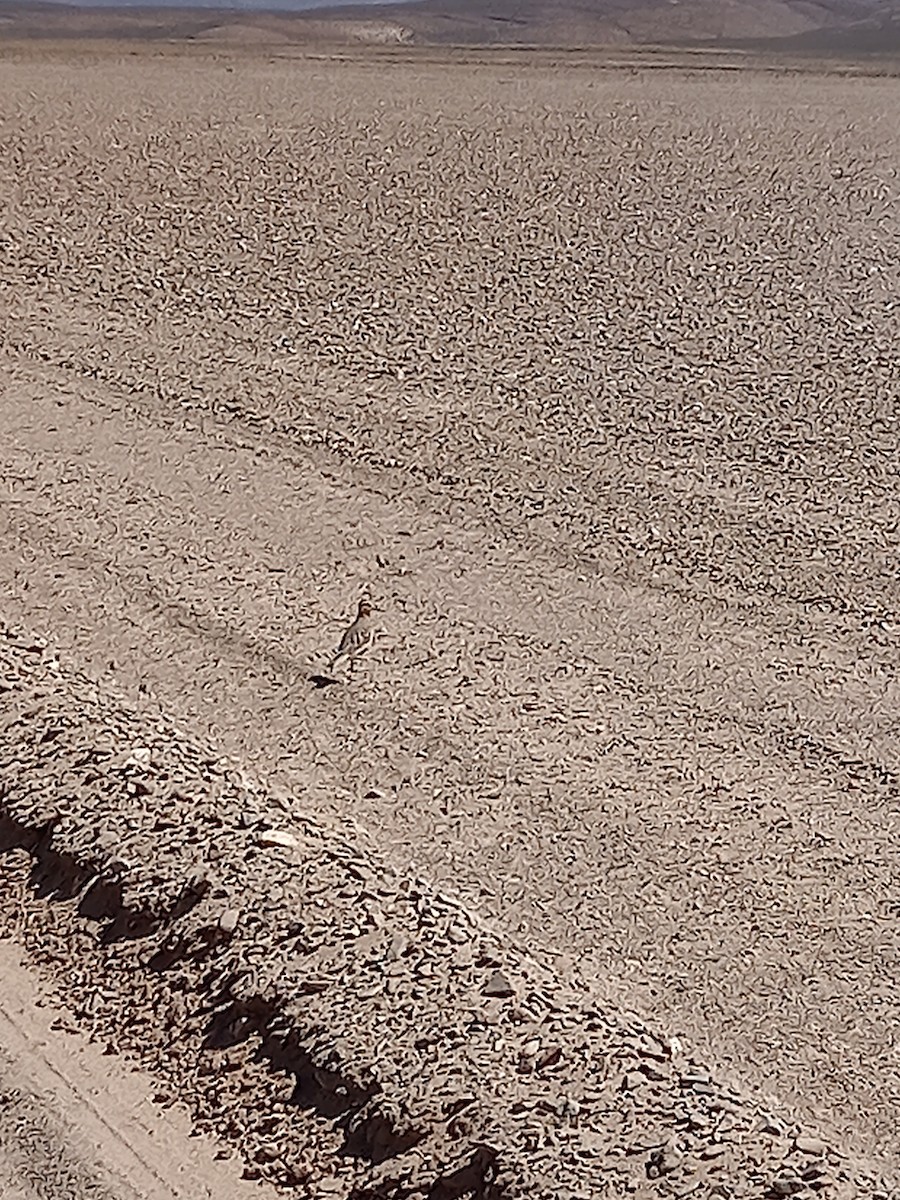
<point>584,881</point>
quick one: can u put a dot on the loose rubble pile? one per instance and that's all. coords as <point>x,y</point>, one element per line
<point>358,1034</point>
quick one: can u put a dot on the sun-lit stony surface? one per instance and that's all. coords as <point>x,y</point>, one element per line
<point>415,1053</point>
<point>590,377</point>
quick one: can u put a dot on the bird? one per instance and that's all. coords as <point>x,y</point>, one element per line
<point>358,637</point>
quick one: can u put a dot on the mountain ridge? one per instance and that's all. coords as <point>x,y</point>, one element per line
<point>819,26</point>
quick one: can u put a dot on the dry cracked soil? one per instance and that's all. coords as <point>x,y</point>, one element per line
<point>589,378</point>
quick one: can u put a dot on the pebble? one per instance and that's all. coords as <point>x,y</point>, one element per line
<point>810,1145</point>
<point>498,986</point>
<point>822,1182</point>
<point>649,1071</point>
<point>228,921</point>
<point>548,1058</point>
<point>787,1185</point>
<point>663,1162</point>
<point>712,1151</point>
<point>277,837</point>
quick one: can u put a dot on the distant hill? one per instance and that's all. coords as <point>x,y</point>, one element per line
<point>636,22</point>
<point>826,26</point>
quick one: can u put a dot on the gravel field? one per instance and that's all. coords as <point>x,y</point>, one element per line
<point>590,377</point>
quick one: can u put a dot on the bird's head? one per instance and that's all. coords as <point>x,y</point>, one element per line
<point>365,607</point>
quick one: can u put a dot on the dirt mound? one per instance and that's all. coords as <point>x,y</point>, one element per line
<point>233,938</point>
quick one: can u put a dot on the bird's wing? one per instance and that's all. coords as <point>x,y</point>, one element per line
<point>348,639</point>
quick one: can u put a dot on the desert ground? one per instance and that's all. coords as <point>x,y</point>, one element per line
<point>589,378</point>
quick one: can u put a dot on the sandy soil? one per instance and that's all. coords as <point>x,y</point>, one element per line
<point>76,1124</point>
<point>607,425</point>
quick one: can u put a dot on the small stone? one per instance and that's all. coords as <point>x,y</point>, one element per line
<point>820,1181</point>
<point>548,1058</point>
<point>690,1079</point>
<point>649,1071</point>
<point>648,1049</point>
<point>787,1185</point>
<point>498,986</point>
<point>396,949</point>
<point>714,1150</point>
<point>277,837</point>
<point>810,1145</point>
<point>228,922</point>
<point>674,1046</point>
<point>632,1080</point>
<point>663,1162</point>
<point>296,1171</point>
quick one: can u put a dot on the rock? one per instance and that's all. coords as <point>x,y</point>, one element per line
<point>396,949</point>
<point>548,1058</point>
<point>330,1187</point>
<point>296,1171</point>
<point>228,922</point>
<point>820,1181</point>
<point>787,1185</point>
<point>498,986</point>
<point>277,837</point>
<point>647,1048</point>
<point>693,1079</point>
<point>810,1145</point>
<point>649,1071</point>
<point>714,1150</point>
<point>663,1161</point>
